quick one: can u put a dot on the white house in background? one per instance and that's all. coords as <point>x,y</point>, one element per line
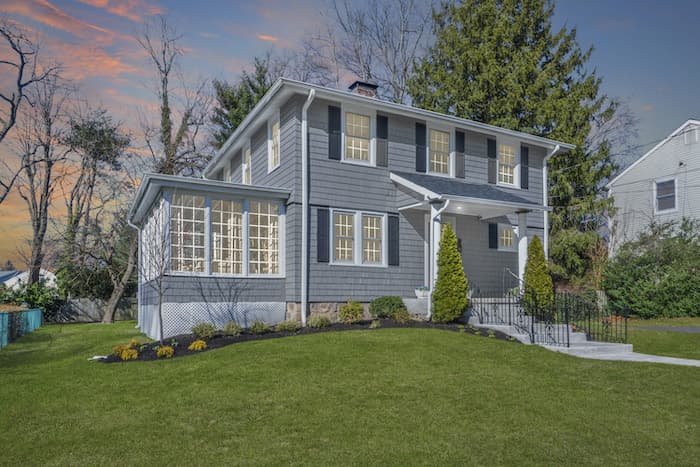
<point>13,282</point>
<point>661,186</point>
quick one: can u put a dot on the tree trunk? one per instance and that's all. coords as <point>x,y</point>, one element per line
<point>36,260</point>
<point>120,286</point>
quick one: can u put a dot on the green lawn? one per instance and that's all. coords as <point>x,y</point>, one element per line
<point>382,397</point>
<point>671,344</point>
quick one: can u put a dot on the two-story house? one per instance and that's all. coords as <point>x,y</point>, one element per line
<point>661,186</point>
<point>323,195</point>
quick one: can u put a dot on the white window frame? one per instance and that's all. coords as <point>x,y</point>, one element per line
<point>675,196</point>
<point>514,230</point>
<point>211,237</point>
<point>280,249</point>
<point>247,166</point>
<point>358,246</point>
<point>372,114</point>
<point>270,123</point>
<point>207,235</point>
<point>516,168</point>
<point>451,162</point>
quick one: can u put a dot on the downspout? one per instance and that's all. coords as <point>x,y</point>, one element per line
<point>305,206</point>
<point>138,273</point>
<point>434,251</point>
<point>545,200</point>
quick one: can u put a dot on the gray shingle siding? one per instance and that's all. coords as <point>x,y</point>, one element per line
<point>185,289</point>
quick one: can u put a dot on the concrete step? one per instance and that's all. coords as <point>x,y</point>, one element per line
<point>593,348</point>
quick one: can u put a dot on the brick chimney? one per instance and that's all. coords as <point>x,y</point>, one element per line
<point>364,88</point>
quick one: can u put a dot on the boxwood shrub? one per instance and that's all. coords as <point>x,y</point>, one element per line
<point>385,307</point>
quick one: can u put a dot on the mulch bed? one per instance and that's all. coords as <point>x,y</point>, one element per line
<point>147,351</point>
<point>6,307</point>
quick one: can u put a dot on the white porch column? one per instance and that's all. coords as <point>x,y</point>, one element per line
<point>435,233</point>
<point>522,247</point>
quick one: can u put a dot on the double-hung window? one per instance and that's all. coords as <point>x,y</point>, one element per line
<point>273,144</point>
<point>358,238</point>
<point>665,193</point>
<point>227,236</point>
<point>187,233</point>
<point>507,160</point>
<point>357,137</point>
<point>246,169</point>
<point>506,237</point>
<point>263,242</point>
<point>439,152</point>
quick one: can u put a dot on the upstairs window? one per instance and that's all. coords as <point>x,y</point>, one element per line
<point>246,169</point>
<point>439,152</point>
<point>506,164</point>
<point>187,233</point>
<point>357,137</point>
<point>665,195</point>
<point>273,154</point>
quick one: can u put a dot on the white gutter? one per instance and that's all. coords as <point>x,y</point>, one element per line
<point>305,206</point>
<point>434,246</point>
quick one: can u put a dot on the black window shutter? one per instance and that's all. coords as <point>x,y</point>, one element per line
<point>493,160</point>
<point>459,156</point>
<point>524,167</point>
<point>322,235</point>
<point>393,230</point>
<point>334,133</point>
<point>493,235</point>
<point>420,148</point>
<point>382,141</point>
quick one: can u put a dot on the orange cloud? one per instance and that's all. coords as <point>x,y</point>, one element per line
<point>648,108</point>
<point>130,9</point>
<point>266,38</point>
<point>84,61</point>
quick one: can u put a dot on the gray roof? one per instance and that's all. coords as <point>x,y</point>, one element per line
<point>452,187</point>
<point>6,275</point>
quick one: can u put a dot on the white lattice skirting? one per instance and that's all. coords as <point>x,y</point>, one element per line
<point>178,318</point>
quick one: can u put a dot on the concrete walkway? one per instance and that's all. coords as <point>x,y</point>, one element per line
<point>691,329</point>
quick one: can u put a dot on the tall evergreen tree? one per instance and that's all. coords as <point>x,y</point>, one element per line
<point>235,101</point>
<point>500,62</point>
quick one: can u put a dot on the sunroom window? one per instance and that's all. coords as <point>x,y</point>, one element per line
<point>506,164</point>
<point>227,237</point>
<point>357,137</point>
<point>439,151</point>
<point>263,243</point>
<point>187,233</point>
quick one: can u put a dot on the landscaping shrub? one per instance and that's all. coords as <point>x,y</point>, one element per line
<point>657,274</point>
<point>165,351</point>
<point>450,294</point>
<point>259,327</point>
<point>203,330</point>
<point>385,307</point>
<point>232,329</point>
<point>375,324</point>
<point>288,326</point>
<point>129,354</point>
<point>318,322</point>
<point>350,312</point>
<point>401,316</point>
<point>37,295</point>
<point>538,288</point>
<point>197,346</point>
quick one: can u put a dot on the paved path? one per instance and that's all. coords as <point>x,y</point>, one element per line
<point>692,329</point>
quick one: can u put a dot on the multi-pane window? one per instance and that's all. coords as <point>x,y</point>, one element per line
<point>274,145</point>
<point>227,236</point>
<point>506,164</point>
<point>439,151</point>
<point>263,238</point>
<point>665,195</point>
<point>246,167</point>
<point>187,233</point>
<point>371,239</point>
<point>505,237</point>
<point>344,236</point>
<point>357,137</point>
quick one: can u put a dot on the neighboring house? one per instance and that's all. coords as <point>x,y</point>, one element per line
<point>13,279</point>
<point>323,195</point>
<point>7,275</point>
<point>661,186</point>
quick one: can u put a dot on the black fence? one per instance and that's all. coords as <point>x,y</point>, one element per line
<point>564,319</point>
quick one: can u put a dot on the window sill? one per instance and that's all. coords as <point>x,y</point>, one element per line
<point>272,169</point>
<point>360,163</point>
<point>512,186</point>
<point>225,276</point>
<point>439,174</point>
<point>666,211</point>
<point>358,265</point>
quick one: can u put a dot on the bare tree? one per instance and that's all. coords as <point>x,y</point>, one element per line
<point>618,129</point>
<point>41,157</point>
<point>174,143</point>
<point>20,63</point>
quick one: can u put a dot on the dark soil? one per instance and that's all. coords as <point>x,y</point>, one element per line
<point>180,343</point>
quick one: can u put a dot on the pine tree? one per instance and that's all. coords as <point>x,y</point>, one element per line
<point>450,295</point>
<point>500,62</point>
<point>538,288</point>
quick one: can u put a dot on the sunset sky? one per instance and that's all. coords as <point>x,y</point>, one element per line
<point>643,50</point>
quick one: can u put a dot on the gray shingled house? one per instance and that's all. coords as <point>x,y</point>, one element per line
<point>322,195</point>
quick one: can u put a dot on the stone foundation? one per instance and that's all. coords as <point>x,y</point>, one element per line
<point>327,309</point>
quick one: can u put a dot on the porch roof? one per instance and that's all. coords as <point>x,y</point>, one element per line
<point>482,200</point>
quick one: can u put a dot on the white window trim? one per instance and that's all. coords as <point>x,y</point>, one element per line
<point>516,169</point>
<point>451,163</point>
<point>244,165</point>
<point>514,229</point>
<point>246,239</point>
<point>675,196</point>
<point>357,244</point>
<point>275,119</point>
<point>372,114</point>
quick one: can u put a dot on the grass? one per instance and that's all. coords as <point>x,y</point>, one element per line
<point>386,396</point>
<point>667,343</point>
